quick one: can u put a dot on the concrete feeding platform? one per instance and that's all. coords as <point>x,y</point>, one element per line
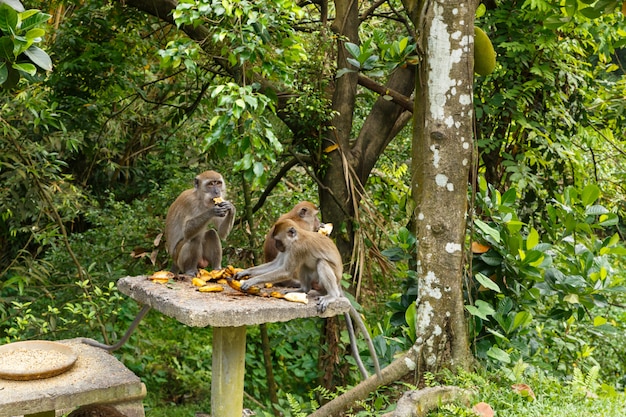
<point>228,312</point>
<point>97,377</point>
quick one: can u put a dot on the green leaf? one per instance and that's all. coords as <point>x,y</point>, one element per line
<point>39,57</point>
<point>596,210</point>
<point>6,49</point>
<point>353,49</point>
<point>498,354</point>
<point>486,282</point>
<point>490,231</point>
<point>29,69</point>
<point>410,317</point>
<point>522,319</point>
<point>590,194</point>
<point>8,19</point>
<point>533,239</point>
<point>480,309</point>
<point>342,71</point>
<point>599,321</point>
<point>610,219</point>
<point>35,33</point>
<point>4,72</point>
<point>15,4</point>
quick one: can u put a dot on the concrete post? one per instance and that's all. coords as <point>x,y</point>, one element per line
<point>229,359</point>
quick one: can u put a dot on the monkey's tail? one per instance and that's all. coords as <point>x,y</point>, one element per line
<point>355,350</point>
<point>144,310</point>
<point>368,339</point>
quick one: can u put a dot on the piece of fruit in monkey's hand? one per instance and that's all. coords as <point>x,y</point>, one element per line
<point>162,277</point>
<point>218,200</point>
<point>236,285</point>
<point>325,229</point>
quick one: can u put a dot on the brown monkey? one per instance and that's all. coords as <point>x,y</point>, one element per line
<point>315,260</point>
<point>304,214</point>
<point>189,242</point>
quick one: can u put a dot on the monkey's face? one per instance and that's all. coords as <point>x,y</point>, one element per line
<point>210,187</point>
<point>285,235</point>
<point>308,213</point>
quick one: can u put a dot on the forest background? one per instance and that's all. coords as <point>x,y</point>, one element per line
<point>137,99</point>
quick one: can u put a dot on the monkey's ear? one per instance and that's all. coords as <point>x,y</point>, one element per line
<point>292,232</point>
<point>303,212</point>
<point>196,182</point>
<point>279,245</point>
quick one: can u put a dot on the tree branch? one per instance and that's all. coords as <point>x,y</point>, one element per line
<point>394,96</point>
<point>400,367</point>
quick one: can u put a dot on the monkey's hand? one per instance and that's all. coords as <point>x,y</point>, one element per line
<point>246,285</point>
<point>223,208</point>
<point>323,302</point>
<point>241,274</point>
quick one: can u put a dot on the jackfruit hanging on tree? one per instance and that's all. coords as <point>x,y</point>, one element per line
<point>484,54</point>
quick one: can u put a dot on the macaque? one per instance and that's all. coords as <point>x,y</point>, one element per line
<point>304,214</point>
<point>189,242</point>
<point>315,260</point>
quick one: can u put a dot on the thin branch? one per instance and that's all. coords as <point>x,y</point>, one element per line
<point>394,96</point>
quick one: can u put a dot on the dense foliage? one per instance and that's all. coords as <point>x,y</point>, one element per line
<point>92,153</point>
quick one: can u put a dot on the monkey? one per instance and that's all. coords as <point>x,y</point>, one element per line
<point>315,260</point>
<point>189,243</point>
<point>304,214</point>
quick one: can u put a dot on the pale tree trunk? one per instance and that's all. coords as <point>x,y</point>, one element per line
<point>442,155</point>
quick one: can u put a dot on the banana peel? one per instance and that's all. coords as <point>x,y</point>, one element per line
<point>218,274</point>
<point>294,297</point>
<point>161,277</point>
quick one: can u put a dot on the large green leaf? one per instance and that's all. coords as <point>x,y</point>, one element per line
<point>8,19</point>
<point>39,57</point>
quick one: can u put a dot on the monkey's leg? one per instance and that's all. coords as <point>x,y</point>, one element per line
<point>189,255</point>
<point>144,310</point>
<point>212,249</point>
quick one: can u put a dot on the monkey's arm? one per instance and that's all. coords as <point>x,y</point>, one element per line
<point>225,224</point>
<point>194,224</point>
<point>271,272</point>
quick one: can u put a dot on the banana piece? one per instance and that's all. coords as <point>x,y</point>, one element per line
<point>297,297</point>
<point>325,229</point>
<point>198,282</point>
<point>211,288</point>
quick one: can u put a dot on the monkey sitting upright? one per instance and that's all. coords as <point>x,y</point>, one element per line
<point>189,242</point>
<point>314,260</point>
<point>304,214</point>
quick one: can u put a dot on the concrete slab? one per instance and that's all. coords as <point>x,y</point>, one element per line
<point>230,308</point>
<point>96,377</point>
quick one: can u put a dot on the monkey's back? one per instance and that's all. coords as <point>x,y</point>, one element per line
<point>175,220</point>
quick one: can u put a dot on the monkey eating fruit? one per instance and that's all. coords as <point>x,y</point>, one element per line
<point>189,242</point>
<point>315,260</point>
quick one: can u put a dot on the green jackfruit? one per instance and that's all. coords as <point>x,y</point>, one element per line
<point>484,54</point>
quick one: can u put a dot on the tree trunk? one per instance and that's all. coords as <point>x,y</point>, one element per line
<point>442,155</point>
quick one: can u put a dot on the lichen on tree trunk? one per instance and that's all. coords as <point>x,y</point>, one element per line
<point>442,154</point>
